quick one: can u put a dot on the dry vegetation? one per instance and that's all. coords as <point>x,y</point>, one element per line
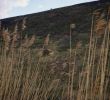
<point>82,73</point>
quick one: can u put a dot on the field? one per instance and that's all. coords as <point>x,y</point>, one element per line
<point>52,71</point>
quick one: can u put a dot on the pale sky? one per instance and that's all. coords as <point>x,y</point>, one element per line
<point>10,8</point>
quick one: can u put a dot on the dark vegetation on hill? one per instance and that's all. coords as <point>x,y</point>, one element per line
<point>56,22</point>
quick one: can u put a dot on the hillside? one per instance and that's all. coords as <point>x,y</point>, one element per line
<point>58,20</point>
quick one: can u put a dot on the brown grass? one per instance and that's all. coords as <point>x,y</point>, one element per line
<point>24,75</point>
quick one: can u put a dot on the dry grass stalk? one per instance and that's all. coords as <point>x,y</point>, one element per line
<point>88,67</point>
<point>24,23</point>
<point>100,25</point>
<point>79,44</point>
<point>6,39</point>
<point>46,41</point>
<point>16,28</point>
<point>105,55</point>
<point>31,41</point>
<point>72,26</point>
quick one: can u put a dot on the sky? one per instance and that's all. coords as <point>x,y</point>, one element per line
<point>10,8</point>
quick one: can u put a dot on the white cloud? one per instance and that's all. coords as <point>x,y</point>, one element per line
<point>6,6</point>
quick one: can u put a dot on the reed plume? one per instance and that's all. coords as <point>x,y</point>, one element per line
<point>6,39</point>
<point>24,23</point>
<point>28,42</point>
<point>16,28</point>
<point>46,41</point>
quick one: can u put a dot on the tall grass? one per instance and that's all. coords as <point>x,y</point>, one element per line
<point>80,74</point>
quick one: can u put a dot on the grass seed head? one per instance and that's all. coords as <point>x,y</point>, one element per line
<point>16,28</point>
<point>6,38</point>
<point>24,23</point>
<point>72,26</point>
<point>46,42</point>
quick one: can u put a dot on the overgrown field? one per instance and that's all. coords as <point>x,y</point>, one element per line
<point>44,73</point>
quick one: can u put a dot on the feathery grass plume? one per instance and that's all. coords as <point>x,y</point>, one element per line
<point>28,42</point>
<point>45,50</point>
<point>79,44</point>
<point>96,13</point>
<point>31,41</point>
<point>15,38</point>
<point>46,41</point>
<point>100,25</point>
<point>72,26</point>
<point>25,42</point>
<point>100,22</point>
<point>24,23</point>
<point>16,28</point>
<point>6,39</point>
